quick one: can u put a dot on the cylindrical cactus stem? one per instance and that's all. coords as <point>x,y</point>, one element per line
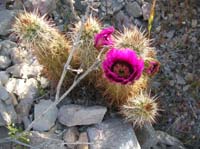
<point>136,40</point>
<point>118,94</point>
<point>50,47</point>
<point>86,53</point>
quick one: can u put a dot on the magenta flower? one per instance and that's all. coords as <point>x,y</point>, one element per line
<point>122,66</point>
<point>104,38</point>
<point>152,67</point>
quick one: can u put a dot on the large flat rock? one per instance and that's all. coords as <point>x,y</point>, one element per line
<point>48,120</point>
<point>72,115</point>
<point>113,134</point>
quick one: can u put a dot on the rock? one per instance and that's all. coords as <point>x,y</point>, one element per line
<point>117,5</point>
<point>6,17</point>
<point>4,62</point>
<point>24,88</point>
<point>112,134</point>
<point>20,55</point>
<point>122,20</point>
<point>25,70</point>
<point>4,77</point>
<point>111,6</point>
<point>43,6</point>
<point>170,34</point>
<point>46,141</point>
<point>48,119</point>
<point>4,134</point>
<point>133,9</point>
<point>180,79</point>
<point>71,136</point>
<point>146,136</point>
<point>185,88</point>
<point>6,47</point>
<point>194,23</point>
<point>166,139</point>
<point>24,107</point>
<point>4,95</point>
<point>7,114</point>
<point>83,138</point>
<point>189,77</point>
<point>72,115</point>
<point>146,9</point>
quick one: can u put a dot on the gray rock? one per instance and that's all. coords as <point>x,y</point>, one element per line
<point>4,77</point>
<point>4,62</point>
<point>43,6</point>
<point>4,134</point>
<point>11,84</point>
<point>146,8</point>
<point>20,55</point>
<point>24,88</point>
<point>24,70</point>
<point>6,47</point>
<point>180,79</point>
<point>133,9</point>
<point>6,17</point>
<point>117,5</point>
<point>71,136</point>
<point>4,95</point>
<point>72,115</point>
<point>111,6</point>
<point>146,136</point>
<point>112,134</point>
<point>7,114</point>
<point>46,141</point>
<point>23,108</point>
<point>48,119</point>
<point>122,20</point>
<point>170,34</point>
<point>166,139</point>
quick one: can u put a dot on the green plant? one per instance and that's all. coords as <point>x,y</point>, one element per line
<point>14,131</point>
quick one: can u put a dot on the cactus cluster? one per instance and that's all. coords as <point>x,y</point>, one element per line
<point>127,65</point>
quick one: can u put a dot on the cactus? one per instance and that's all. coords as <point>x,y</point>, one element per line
<point>119,84</point>
<point>136,40</point>
<point>118,94</point>
<point>140,110</point>
<point>86,53</point>
<point>50,47</point>
<point>123,78</point>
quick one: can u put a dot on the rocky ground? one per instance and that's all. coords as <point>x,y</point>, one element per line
<point>24,92</point>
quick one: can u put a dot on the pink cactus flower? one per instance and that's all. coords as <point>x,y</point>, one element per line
<point>152,67</point>
<point>122,66</point>
<point>104,38</point>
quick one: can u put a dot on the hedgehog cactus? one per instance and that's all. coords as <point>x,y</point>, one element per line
<point>140,110</point>
<point>86,52</point>
<point>135,39</point>
<point>123,76</point>
<point>127,66</point>
<point>50,47</point>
